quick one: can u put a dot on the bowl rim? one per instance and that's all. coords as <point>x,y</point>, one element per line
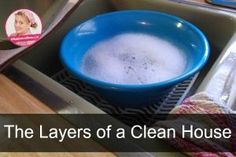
<point>162,84</point>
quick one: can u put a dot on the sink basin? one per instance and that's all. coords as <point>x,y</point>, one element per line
<point>219,27</point>
<point>42,64</point>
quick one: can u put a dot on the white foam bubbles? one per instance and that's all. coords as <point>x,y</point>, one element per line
<point>133,58</point>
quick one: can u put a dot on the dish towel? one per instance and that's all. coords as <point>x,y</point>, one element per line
<point>201,103</point>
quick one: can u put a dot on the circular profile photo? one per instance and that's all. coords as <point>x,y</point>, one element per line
<point>23,27</point>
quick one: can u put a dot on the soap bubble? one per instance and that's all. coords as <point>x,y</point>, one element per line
<point>134,58</point>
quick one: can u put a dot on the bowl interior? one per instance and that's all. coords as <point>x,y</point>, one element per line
<point>182,34</point>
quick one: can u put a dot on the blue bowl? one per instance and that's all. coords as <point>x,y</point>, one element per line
<point>176,30</point>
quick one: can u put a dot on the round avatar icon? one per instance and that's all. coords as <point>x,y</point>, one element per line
<point>23,27</point>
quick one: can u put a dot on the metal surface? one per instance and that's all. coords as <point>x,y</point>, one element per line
<point>43,94</point>
<point>224,3</point>
<point>220,81</point>
<point>69,102</point>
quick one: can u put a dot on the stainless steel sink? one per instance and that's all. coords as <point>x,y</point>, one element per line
<point>219,27</point>
<point>43,63</point>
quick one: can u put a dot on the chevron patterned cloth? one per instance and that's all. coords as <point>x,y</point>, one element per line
<point>201,104</point>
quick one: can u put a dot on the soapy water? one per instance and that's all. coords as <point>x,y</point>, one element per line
<point>133,58</point>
